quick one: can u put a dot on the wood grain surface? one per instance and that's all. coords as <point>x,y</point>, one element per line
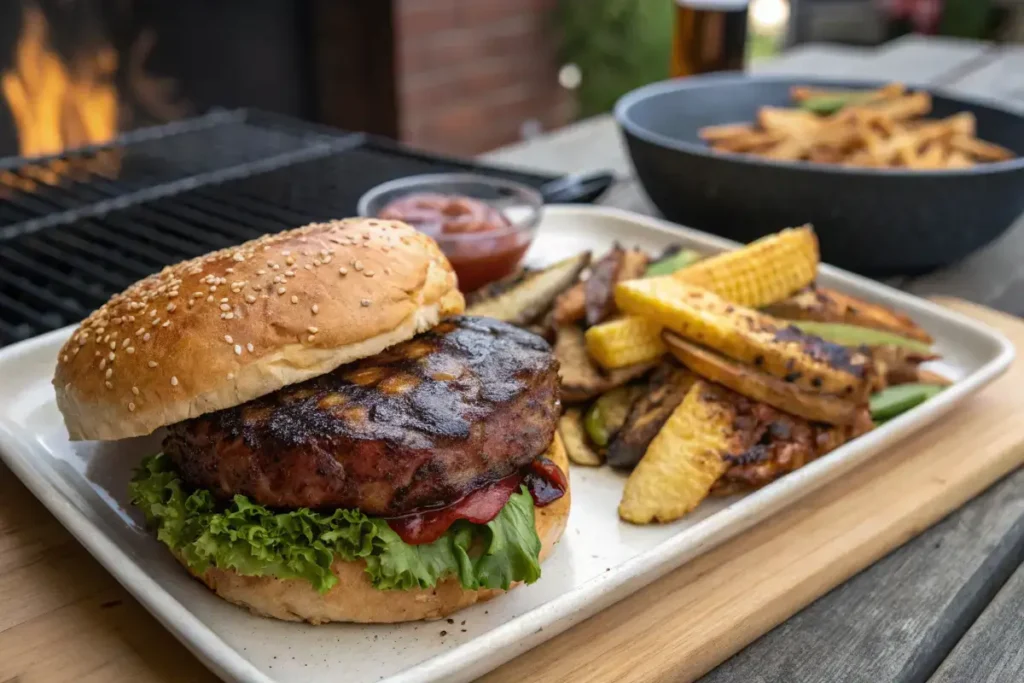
<point>991,652</point>
<point>63,618</point>
<point>900,618</point>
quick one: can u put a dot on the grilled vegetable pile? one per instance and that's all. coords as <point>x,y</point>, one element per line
<point>713,375</point>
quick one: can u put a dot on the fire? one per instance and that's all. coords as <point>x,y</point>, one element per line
<point>54,105</point>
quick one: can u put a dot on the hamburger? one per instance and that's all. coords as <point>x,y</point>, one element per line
<point>339,443</point>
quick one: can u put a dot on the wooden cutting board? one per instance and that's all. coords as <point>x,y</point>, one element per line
<point>63,618</point>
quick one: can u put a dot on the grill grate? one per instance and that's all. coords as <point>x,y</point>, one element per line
<point>78,227</point>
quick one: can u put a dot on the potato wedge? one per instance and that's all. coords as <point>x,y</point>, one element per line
<point>684,460</point>
<point>665,390</point>
<point>570,427</point>
<point>820,304</point>
<point>519,300</point>
<point>761,386</point>
<point>570,305</point>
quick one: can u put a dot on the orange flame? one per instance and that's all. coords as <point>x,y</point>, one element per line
<point>54,106</point>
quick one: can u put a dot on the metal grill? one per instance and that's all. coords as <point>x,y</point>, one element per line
<point>78,227</point>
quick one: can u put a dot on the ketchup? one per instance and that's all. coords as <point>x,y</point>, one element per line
<point>479,241</point>
<point>543,479</point>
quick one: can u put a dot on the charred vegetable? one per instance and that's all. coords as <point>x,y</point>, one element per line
<point>616,266</point>
<point>521,299</point>
<point>747,381</point>
<point>748,336</point>
<point>684,460</point>
<point>855,335</point>
<point>570,306</point>
<point>819,304</point>
<point>581,378</point>
<point>570,427</point>
<point>608,413</point>
<point>664,391</point>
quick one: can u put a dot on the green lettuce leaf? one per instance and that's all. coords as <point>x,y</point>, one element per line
<point>301,544</point>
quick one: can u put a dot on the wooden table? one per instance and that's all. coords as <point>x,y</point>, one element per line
<point>946,606</point>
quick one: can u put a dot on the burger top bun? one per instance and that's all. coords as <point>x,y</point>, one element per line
<point>225,328</point>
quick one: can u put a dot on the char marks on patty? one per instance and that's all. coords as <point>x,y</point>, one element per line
<point>418,426</point>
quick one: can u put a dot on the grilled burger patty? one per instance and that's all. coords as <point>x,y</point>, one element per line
<point>418,426</point>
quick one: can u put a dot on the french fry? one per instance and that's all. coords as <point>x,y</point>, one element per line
<point>979,149</point>
<point>864,128</point>
<point>724,132</point>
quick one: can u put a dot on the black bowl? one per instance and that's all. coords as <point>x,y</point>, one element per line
<point>876,221</point>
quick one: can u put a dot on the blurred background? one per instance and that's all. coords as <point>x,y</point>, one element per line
<point>455,76</point>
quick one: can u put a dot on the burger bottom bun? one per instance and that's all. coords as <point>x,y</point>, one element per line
<point>354,599</point>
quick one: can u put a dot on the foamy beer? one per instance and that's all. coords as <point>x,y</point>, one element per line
<point>709,35</point>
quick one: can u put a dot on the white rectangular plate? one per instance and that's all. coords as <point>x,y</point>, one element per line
<point>599,560</point>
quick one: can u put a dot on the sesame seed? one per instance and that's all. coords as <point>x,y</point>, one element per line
<point>152,312</point>
<point>229,270</point>
<point>311,338</point>
<point>152,363</point>
<point>109,373</point>
<point>238,349</point>
<point>225,307</point>
<point>103,362</point>
<point>290,261</point>
<point>131,407</point>
<point>315,309</point>
<point>170,308</point>
<point>113,345</point>
<point>358,265</point>
<point>65,358</point>
<point>312,330</point>
<point>146,337</point>
<point>130,350</point>
<point>135,390</point>
<point>228,339</point>
<point>289,273</point>
<point>368,273</point>
<point>166,323</point>
<point>209,299</point>
<point>281,290</point>
<point>174,381</point>
<point>108,385</point>
<point>364,303</point>
<point>250,299</point>
<point>343,270</point>
<point>126,342</point>
<point>295,299</point>
<point>229,316</point>
<point>249,347</point>
<point>111,356</point>
<point>224,300</point>
<point>213,288</point>
<point>231,375</point>
<point>286,252</point>
<point>261,272</point>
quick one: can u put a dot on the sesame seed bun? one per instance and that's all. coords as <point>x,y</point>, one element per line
<point>223,329</point>
<point>355,599</point>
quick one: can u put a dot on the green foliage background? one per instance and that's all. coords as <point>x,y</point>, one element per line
<point>617,44</point>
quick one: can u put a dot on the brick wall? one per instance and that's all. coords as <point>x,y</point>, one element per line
<point>471,72</point>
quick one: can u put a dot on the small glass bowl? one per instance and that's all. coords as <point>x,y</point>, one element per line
<point>477,257</point>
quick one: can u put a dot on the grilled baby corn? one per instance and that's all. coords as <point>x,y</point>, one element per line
<point>765,271</point>
<point>685,459</point>
<point>748,336</point>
